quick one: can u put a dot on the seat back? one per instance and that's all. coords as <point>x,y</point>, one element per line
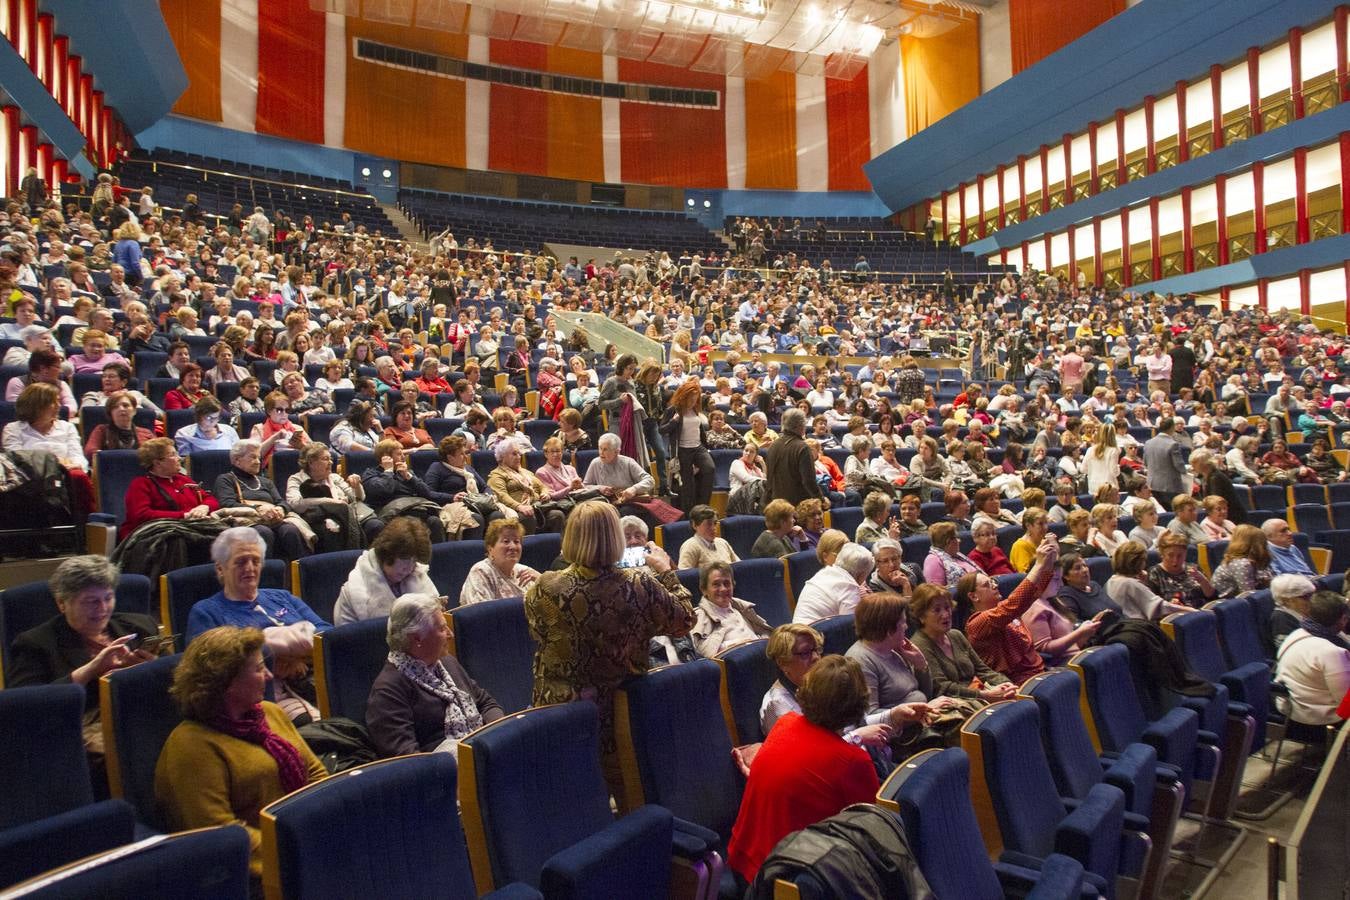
<point>518,808</point>
<point>1211,555</point>
<point>138,716</point>
<point>46,771</point>
<point>347,658</point>
<point>1003,741</point>
<point>846,519</point>
<point>208,862</point>
<point>915,548</point>
<point>1311,518</point>
<point>762,582</point>
<point>27,606</point>
<point>747,675</point>
<point>1100,569</point>
<point>450,564</point>
<point>838,631</point>
<point>181,589</point>
<point>1196,635</point>
<point>492,641</point>
<point>1068,745</point>
<point>931,793</point>
<point>1238,633</point>
<point>1112,710</point>
<point>674,745</point>
<point>800,567</point>
<point>113,471</point>
<point>1269,497</point>
<point>205,466</point>
<point>740,532</point>
<point>539,551</point>
<point>319,579</point>
<point>408,830</point>
<point>671,537</point>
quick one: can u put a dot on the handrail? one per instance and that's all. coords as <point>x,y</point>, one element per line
<point>153,163</point>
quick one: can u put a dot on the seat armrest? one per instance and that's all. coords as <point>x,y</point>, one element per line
<point>31,849</point>
<point>629,858</point>
<point>1174,735</point>
<point>1059,878</point>
<point>514,891</point>
<point>692,841</point>
<point>1091,832</point>
<point>1133,771</point>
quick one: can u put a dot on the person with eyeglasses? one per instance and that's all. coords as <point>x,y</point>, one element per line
<point>278,429</point>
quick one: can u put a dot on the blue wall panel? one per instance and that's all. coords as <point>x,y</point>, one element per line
<point>1144,50</point>
<point>1323,254</point>
<point>41,109</point>
<point>191,136</point>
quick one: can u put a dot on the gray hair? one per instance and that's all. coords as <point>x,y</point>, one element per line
<point>241,447</point>
<point>1286,587</point>
<point>885,544</point>
<point>81,572</point>
<point>607,440</point>
<point>382,361</point>
<point>856,560</point>
<point>794,420</point>
<point>983,525</point>
<point>229,540</point>
<point>502,448</point>
<point>633,522</point>
<point>1201,457</point>
<point>411,614</point>
<point>757,416</point>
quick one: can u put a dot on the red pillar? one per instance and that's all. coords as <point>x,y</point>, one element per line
<point>1345,182</point>
<point>45,33</point>
<point>1296,69</point>
<point>1221,214</point>
<point>1048,266</point>
<point>11,173</point>
<point>1067,142</point>
<point>945,195</point>
<point>1254,88</point>
<point>60,53</point>
<point>1347,292</point>
<point>44,162</point>
<point>1021,188</point>
<point>1073,256</point>
<point>1305,291</point>
<point>961,211</point>
<point>1092,159</point>
<point>1183,137</point>
<point>28,145</point>
<point>1045,179</point>
<point>1225,293</point>
<point>1301,228</point>
<point>1126,273</point>
<point>1263,294</point>
<point>72,103</point>
<point>1155,239</point>
<point>1120,147</point>
<point>1001,198</point>
<point>1343,89</point>
<point>979,202</point>
<point>12,15</point>
<point>1259,209</point>
<point>61,171</point>
<point>1187,242</point>
<point>1150,141</point>
<point>28,23</point>
<point>86,121</point>
<point>1097,251</point>
<point>1216,94</point>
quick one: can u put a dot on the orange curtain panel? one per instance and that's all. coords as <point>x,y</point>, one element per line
<point>850,131</point>
<point>575,131</point>
<point>403,114</point>
<point>1040,27</point>
<point>941,73</point>
<point>674,145</point>
<point>290,70</point>
<point>771,132</point>
<point>518,138</point>
<point>194,26</point>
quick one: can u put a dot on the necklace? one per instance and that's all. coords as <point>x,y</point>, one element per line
<point>257,482</point>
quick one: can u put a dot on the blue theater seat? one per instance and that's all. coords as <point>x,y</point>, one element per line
<point>138,716</point>
<point>29,850</point>
<point>45,772</point>
<point>347,658</point>
<point>800,567</point>
<point>319,579</point>
<point>181,589</point>
<point>839,632</point>
<point>761,581</point>
<point>492,641</point>
<point>740,532</point>
<point>747,675</point>
<point>1196,635</point>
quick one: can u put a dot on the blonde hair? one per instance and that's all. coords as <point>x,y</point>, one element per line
<point>593,537</point>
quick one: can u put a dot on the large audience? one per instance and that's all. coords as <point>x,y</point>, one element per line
<point>378,396</point>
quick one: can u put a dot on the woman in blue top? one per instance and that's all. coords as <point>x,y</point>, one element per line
<point>208,433</point>
<point>127,252</point>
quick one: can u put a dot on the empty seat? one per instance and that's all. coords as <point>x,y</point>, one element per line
<point>740,532</point>
<point>747,675</point>
<point>846,519</point>
<point>46,771</point>
<point>138,716</point>
<point>1196,635</point>
<point>492,641</point>
<point>347,658</point>
<point>319,579</point>
<point>56,840</point>
<point>839,632</point>
<point>450,564</point>
<point>540,551</point>
<point>800,567</point>
<point>762,582</point>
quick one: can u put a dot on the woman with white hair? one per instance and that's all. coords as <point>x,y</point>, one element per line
<point>423,700</point>
<point>252,495</point>
<point>520,489</point>
<point>1291,594</point>
<point>835,589</point>
<point>760,434</point>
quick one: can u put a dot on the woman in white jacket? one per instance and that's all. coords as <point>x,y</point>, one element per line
<point>395,564</point>
<point>835,589</point>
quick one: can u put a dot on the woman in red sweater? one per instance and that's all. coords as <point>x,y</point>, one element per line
<point>805,772</point>
<point>165,492</point>
<point>189,389</point>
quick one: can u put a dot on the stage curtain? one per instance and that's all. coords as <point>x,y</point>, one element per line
<point>290,70</point>
<point>575,129</point>
<point>194,26</point>
<point>771,132</point>
<point>673,145</point>
<point>941,74</point>
<point>1040,27</point>
<point>850,133</point>
<point>399,113</point>
<point>518,138</point>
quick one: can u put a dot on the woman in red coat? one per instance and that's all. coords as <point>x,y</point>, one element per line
<point>164,492</point>
<point>189,389</point>
<point>805,772</point>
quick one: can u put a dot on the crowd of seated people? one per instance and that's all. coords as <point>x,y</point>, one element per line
<point>348,382</point>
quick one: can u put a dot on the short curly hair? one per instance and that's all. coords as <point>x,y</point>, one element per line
<point>403,538</point>
<point>834,695</point>
<point>213,660</point>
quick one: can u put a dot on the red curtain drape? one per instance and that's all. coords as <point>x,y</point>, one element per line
<point>290,70</point>
<point>850,138</point>
<point>518,138</point>
<point>1040,27</point>
<point>672,145</point>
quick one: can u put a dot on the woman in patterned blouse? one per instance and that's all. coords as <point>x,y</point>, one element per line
<point>501,574</point>
<point>592,621</point>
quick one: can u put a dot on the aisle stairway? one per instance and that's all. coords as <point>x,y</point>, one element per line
<point>406,229</point>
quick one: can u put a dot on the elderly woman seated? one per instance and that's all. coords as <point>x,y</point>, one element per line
<point>520,489</point>
<point>988,555</point>
<point>945,563</point>
<point>423,700</point>
<point>954,666</point>
<point>836,588</point>
<point>892,574</point>
<point>393,490</point>
<point>781,532</point>
<point>245,493</point>
<point>995,626</point>
<point>1129,588</point>
<point>234,752</point>
<point>1314,663</point>
<point>288,623</point>
<point>1291,594</point>
<point>704,546</point>
<point>395,564</point>
<point>501,573</point>
<point>333,506</point>
<point>805,771</point>
<point>877,520</point>
<point>621,479</point>
<point>723,620</point>
<point>1246,564</point>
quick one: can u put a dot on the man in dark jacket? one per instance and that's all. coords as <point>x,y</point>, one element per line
<point>790,473</point>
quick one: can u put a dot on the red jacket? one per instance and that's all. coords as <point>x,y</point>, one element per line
<point>1000,638</point>
<point>149,498</point>
<point>801,775</point>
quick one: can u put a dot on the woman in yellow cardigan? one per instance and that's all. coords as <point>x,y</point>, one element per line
<point>233,753</point>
